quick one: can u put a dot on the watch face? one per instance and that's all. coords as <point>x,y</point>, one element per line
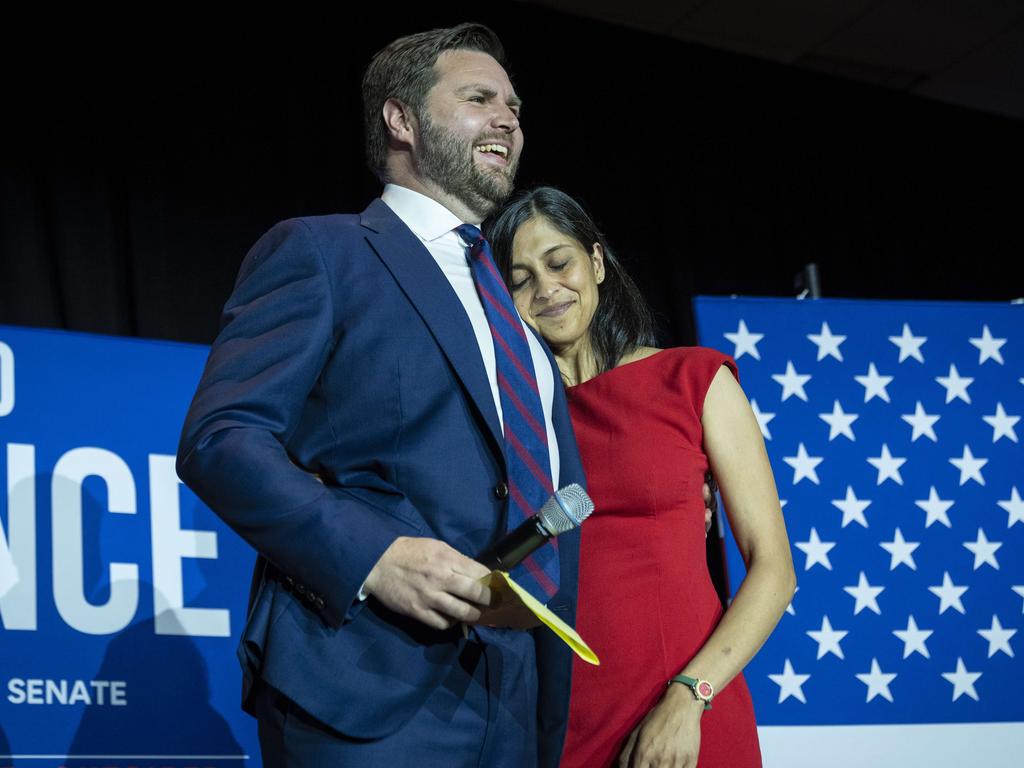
<point>704,689</point>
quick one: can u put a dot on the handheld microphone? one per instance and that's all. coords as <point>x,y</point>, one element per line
<point>566,510</point>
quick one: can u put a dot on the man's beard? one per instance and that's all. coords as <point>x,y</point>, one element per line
<point>446,162</point>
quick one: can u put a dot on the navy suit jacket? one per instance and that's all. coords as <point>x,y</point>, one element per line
<point>345,354</point>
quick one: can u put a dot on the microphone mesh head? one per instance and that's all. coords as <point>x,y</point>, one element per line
<point>575,507</point>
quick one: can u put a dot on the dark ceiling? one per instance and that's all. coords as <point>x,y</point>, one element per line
<point>965,52</point>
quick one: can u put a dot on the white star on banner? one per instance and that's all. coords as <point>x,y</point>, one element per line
<point>828,639</point>
<point>984,550</point>
<point>949,595</point>
<point>909,344</point>
<point>962,680</point>
<point>874,384</point>
<point>888,466</point>
<point>988,347</point>
<point>998,638</point>
<point>804,465</point>
<point>901,551</point>
<point>935,508</point>
<point>956,385</point>
<point>865,595</point>
<point>828,345</point>
<point>914,638</point>
<point>762,419</point>
<point>969,466</point>
<point>852,508</point>
<point>877,681</point>
<point>1019,589</point>
<point>922,423</point>
<point>816,551</point>
<point>838,422</point>
<point>745,341</point>
<point>789,608</point>
<point>790,683</point>
<point>1002,424</point>
<point>792,382</point>
<point>1014,506</point>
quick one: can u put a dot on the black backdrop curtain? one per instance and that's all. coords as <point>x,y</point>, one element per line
<point>142,156</point>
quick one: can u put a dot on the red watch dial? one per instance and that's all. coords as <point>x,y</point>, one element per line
<point>704,689</point>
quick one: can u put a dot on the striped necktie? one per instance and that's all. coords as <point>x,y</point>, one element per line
<point>526,438</point>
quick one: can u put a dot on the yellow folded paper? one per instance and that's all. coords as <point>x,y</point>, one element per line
<point>568,635</point>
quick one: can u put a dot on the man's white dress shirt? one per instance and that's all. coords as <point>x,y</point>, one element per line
<point>435,225</point>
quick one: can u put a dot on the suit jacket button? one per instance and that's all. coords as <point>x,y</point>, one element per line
<point>319,602</point>
<point>501,490</point>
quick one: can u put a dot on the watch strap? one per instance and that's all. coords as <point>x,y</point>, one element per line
<point>694,684</point>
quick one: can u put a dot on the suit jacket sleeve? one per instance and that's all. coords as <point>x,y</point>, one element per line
<point>278,329</point>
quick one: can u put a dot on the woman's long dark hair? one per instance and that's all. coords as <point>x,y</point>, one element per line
<point>622,322</point>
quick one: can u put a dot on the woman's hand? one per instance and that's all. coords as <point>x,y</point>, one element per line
<point>669,736</point>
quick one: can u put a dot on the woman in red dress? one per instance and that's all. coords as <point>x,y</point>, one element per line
<point>649,424</point>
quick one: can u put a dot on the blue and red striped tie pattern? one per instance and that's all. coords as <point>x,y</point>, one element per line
<point>526,437</point>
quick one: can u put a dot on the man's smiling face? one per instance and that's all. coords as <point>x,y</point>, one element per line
<point>469,134</point>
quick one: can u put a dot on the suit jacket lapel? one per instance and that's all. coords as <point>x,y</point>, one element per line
<point>429,291</point>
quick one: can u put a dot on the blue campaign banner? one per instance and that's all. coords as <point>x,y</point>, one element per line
<point>894,432</point>
<point>121,595</point>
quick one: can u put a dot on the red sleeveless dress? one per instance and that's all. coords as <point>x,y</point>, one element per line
<point>646,601</point>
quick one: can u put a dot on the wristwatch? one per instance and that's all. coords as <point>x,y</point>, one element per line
<point>702,689</point>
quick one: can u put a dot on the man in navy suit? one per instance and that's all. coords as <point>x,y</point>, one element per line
<point>348,426</point>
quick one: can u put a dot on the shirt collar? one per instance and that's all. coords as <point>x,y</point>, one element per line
<point>426,217</point>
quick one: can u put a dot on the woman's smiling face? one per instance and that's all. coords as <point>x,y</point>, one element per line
<point>554,282</point>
